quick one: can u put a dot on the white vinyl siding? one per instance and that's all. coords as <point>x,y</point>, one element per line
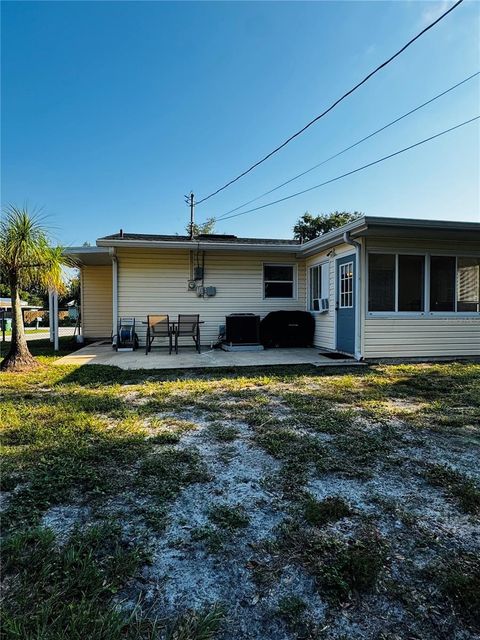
<point>96,301</point>
<point>155,281</point>
<point>325,322</point>
<point>421,337</point>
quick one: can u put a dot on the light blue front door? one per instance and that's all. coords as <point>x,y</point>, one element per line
<point>345,304</point>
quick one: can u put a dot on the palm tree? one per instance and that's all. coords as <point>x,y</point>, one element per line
<point>26,259</point>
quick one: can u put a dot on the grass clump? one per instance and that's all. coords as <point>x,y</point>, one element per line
<point>65,592</point>
<point>197,625</point>
<point>229,517</point>
<point>459,580</point>
<point>213,538</point>
<point>456,485</point>
<point>294,612</point>
<point>221,432</point>
<point>341,568</point>
<point>165,472</point>
<point>318,513</point>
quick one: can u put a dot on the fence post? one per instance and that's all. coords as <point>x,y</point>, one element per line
<point>55,321</point>
<point>50,314</point>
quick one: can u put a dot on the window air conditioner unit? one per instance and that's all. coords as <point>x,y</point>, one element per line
<point>320,304</point>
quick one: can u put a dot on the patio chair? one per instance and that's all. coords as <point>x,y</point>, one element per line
<point>158,327</point>
<point>188,326</point>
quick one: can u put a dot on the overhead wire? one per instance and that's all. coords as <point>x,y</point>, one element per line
<point>349,173</point>
<point>333,105</point>
<point>351,146</point>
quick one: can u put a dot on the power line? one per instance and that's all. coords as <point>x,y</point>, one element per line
<point>349,173</point>
<point>345,95</point>
<point>355,144</point>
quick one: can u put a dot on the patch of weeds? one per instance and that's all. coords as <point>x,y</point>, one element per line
<point>457,485</point>
<point>211,537</point>
<point>165,472</point>
<point>459,580</point>
<point>294,612</point>
<point>357,451</point>
<point>66,591</point>
<point>340,568</point>
<point>169,430</point>
<point>197,625</point>
<point>229,517</point>
<point>291,446</point>
<point>221,432</point>
<point>154,517</point>
<point>330,509</point>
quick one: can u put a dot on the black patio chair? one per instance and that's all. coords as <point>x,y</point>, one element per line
<point>188,326</point>
<point>158,326</point>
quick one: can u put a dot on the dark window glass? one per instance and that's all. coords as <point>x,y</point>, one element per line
<point>381,282</point>
<point>278,280</point>
<point>279,290</point>
<point>442,283</point>
<point>411,271</point>
<point>468,284</point>
<point>278,272</point>
<point>314,287</point>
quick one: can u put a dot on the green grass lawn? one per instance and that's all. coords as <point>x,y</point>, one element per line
<point>275,503</point>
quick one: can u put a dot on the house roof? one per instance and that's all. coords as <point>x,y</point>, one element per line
<point>211,238</point>
<point>6,303</point>
<point>371,226</point>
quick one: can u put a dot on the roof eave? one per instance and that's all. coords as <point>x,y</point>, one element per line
<point>195,245</point>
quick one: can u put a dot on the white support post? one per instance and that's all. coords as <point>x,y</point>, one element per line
<point>114,296</point>
<point>50,315</point>
<point>55,321</point>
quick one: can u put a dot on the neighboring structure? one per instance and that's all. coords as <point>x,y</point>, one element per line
<point>378,287</point>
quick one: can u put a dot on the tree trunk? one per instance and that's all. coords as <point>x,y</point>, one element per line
<point>19,357</point>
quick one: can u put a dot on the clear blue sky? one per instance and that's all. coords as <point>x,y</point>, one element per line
<point>112,111</point>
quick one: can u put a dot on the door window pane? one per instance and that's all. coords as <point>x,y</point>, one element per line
<point>346,285</point>
<point>381,282</point>
<point>411,270</point>
<point>468,284</point>
<point>442,283</point>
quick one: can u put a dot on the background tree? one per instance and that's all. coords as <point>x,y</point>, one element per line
<point>203,228</point>
<point>26,260</point>
<point>309,227</point>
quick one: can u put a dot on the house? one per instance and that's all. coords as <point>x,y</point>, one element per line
<point>377,287</point>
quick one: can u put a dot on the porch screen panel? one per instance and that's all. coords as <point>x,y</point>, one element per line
<point>381,282</point>
<point>411,276</point>
<point>442,283</point>
<point>468,284</point>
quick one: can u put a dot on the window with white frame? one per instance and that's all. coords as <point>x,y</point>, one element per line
<point>397,283</point>
<point>319,285</point>
<point>279,281</point>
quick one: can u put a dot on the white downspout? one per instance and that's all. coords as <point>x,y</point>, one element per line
<point>114,292</point>
<point>358,307</point>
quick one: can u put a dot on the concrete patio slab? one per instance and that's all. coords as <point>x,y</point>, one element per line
<point>99,353</point>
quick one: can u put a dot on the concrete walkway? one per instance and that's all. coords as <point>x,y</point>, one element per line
<point>187,358</point>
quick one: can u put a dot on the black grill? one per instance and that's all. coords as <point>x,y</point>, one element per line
<point>287,329</point>
<point>242,328</point>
